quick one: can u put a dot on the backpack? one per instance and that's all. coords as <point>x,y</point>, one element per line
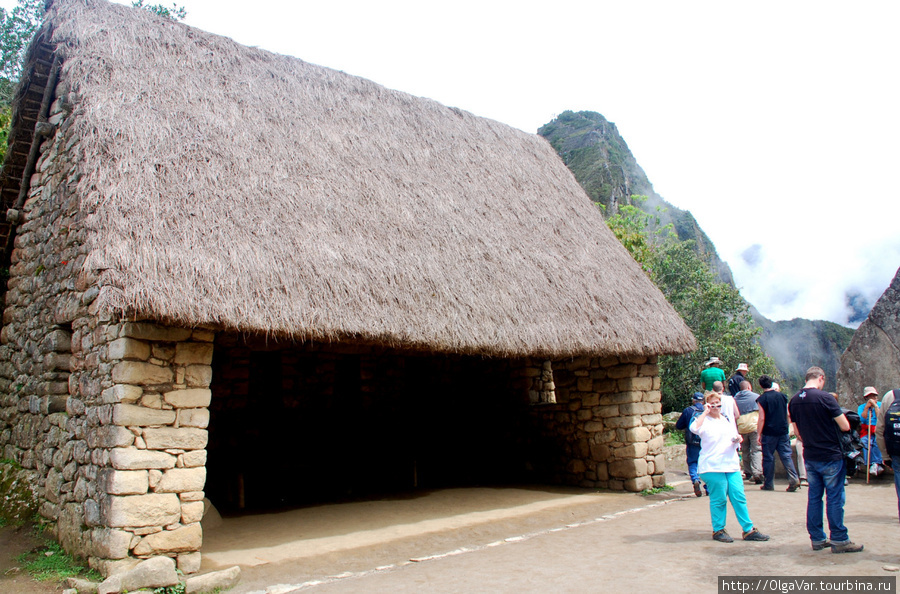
<point>734,384</point>
<point>892,426</point>
<point>691,438</point>
<point>747,423</point>
<point>851,446</point>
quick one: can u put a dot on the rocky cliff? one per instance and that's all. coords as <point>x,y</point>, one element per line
<point>873,357</point>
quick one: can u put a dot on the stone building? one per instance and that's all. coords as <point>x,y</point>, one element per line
<point>240,276</point>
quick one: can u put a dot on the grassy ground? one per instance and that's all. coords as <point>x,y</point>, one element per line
<point>17,544</point>
<point>49,562</point>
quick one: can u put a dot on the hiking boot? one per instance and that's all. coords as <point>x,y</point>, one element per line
<point>818,546</point>
<point>793,487</point>
<point>759,480</point>
<point>722,536</point>
<point>846,547</point>
<point>755,534</point>
<point>765,488</point>
<point>697,490</point>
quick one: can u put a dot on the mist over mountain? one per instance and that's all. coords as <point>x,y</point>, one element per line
<point>601,161</point>
<point>797,344</point>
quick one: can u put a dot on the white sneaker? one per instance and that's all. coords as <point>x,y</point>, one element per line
<point>876,469</point>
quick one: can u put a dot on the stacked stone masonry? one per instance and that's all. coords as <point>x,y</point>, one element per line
<point>607,423</point>
<point>159,410</point>
<point>109,417</point>
<point>542,389</point>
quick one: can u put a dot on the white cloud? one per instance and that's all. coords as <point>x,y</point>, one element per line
<point>810,274</point>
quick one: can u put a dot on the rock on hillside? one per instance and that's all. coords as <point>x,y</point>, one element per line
<point>873,357</point>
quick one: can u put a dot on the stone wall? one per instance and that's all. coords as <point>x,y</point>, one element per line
<point>606,428</point>
<point>538,380</point>
<point>155,413</point>
<point>47,374</point>
<point>109,418</point>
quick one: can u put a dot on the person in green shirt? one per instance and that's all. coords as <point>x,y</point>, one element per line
<point>712,372</point>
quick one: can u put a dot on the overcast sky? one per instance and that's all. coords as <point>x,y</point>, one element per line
<point>775,123</point>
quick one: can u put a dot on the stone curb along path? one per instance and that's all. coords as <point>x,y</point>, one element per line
<point>155,573</point>
<point>291,588</point>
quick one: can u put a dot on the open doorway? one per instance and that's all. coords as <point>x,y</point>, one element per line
<point>293,424</point>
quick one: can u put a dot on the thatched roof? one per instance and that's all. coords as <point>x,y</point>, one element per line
<point>232,187</point>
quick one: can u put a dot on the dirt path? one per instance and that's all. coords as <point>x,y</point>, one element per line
<point>541,539</point>
<point>534,539</point>
<point>13,542</point>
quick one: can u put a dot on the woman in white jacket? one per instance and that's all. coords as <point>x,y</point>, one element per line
<point>720,469</point>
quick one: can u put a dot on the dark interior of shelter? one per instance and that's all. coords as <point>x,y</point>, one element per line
<point>296,424</point>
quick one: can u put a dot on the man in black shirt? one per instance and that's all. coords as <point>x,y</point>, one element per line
<point>740,375</point>
<point>816,417</point>
<point>772,434</point>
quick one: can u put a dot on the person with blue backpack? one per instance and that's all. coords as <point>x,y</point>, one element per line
<point>692,440</point>
<point>887,432</point>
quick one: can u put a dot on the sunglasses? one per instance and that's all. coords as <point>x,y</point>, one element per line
<point>715,406</point>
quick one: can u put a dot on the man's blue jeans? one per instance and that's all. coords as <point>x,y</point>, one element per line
<point>782,445</point>
<point>876,453</point>
<point>693,457</point>
<point>897,484</point>
<point>826,478</point>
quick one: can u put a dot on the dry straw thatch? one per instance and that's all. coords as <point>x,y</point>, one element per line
<point>235,188</point>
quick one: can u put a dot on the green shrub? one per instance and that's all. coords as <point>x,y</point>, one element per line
<point>656,490</point>
<point>675,438</point>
